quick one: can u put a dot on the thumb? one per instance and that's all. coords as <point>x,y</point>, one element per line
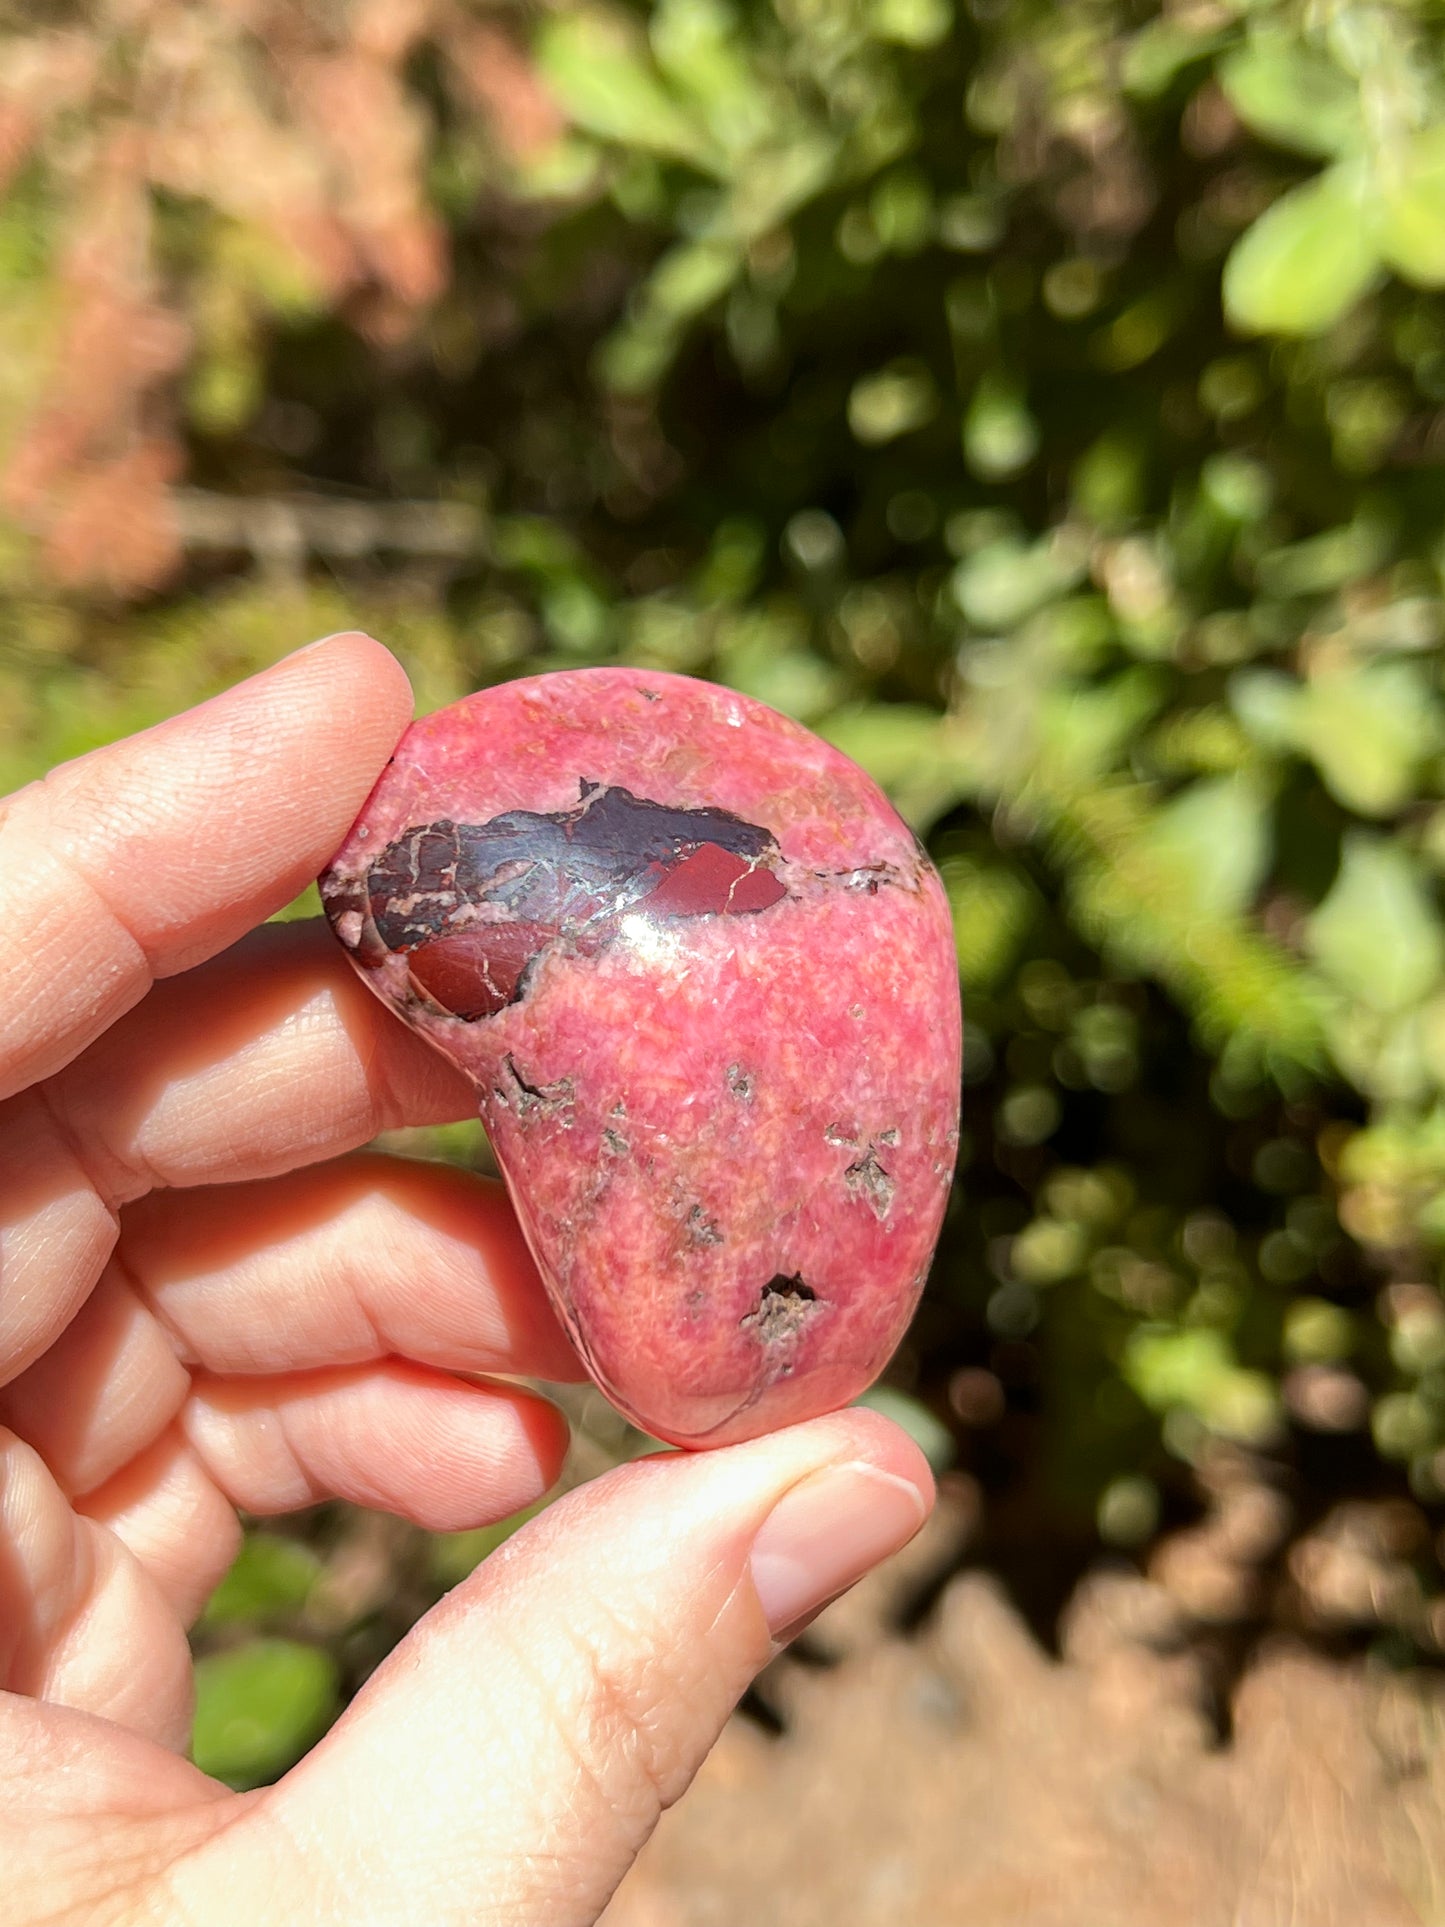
<point>509,1760</point>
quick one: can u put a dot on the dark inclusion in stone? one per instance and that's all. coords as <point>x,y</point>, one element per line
<point>472,905</point>
<point>784,1307</point>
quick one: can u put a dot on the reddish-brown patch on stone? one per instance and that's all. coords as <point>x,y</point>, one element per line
<point>713,882</point>
<point>476,972</point>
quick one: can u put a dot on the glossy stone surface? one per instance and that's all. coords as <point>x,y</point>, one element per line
<point>704,980</point>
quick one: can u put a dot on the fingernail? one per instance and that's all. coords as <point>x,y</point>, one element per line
<point>826,1533</point>
<point>323,642</point>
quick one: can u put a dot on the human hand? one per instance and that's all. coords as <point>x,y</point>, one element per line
<point>199,1311</point>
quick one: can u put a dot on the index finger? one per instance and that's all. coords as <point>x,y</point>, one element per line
<point>146,857</point>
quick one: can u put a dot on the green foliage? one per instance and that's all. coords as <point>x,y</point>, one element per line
<point>259,1706</point>
<point>1307,260</point>
<point>270,1576</point>
<point>1047,405</point>
<point>932,1437</point>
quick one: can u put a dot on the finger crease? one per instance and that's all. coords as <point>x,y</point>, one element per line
<point>127,1179</point>
<point>608,1722</point>
<point>132,1279</point>
<point>85,881</point>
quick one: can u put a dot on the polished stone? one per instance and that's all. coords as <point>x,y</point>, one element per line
<point>704,980</point>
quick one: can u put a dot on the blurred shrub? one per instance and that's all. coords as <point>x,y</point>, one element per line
<point>1045,403</point>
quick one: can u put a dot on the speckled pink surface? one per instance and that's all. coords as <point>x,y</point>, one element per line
<point>704,980</point>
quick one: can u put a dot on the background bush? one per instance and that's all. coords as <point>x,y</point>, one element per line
<point>1046,402</point>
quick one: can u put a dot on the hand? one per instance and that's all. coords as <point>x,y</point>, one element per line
<point>198,1311</point>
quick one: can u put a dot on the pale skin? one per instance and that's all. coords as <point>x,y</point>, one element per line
<point>210,1300</point>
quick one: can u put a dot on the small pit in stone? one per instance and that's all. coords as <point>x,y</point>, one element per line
<point>516,1093</point>
<point>740,1083</point>
<point>866,1178</point>
<point>784,1307</point>
<point>700,1228</point>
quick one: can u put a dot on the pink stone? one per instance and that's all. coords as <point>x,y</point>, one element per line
<point>704,980</point>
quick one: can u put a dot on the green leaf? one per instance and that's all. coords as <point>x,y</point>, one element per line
<point>912,23</point>
<point>1003,582</point>
<point>1377,933</point>
<point>1316,1331</point>
<point>1237,488</point>
<point>756,662</point>
<point>1196,1369</point>
<point>775,182</point>
<point>690,278</point>
<point>932,1437</point>
<point>1326,561</point>
<point>1292,96</point>
<point>604,81</point>
<point>270,1575</point>
<point>905,748</point>
<point>1214,839</point>
<point>1000,436</point>
<point>1084,731</point>
<point>1156,55</point>
<point>893,402</point>
<point>698,49</point>
<point>888,740</point>
<point>1412,198</point>
<point>1266,704</point>
<point>993,907</point>
<point>258,1708</point>
<point>1367,732</point>
<point>1306,259</point>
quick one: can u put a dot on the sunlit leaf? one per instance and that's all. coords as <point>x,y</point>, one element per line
<point>787,678</point>
<point>1378,933</point>
<point>689,279</point>
<point>1325,561</point>
<point>1003,582</point>
<point>774,183</point>
<point>1161,50</point>
<point>1000,435</point>
<point>699,50</point>
<point>915,23</point>
<point>1292,95</point>
<point>1306,259</point>
<point>1196,1369</point>
<point>889,741</point>
<point>1214,839</point>
<point>932,1437</point>
<point>992,909</point>
<point>1368,732</point>
<point>1411,178</point>
<point>897,399</point>
<point>604,81</point>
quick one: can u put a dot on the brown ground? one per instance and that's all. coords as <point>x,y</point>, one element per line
<point>958,1774</point>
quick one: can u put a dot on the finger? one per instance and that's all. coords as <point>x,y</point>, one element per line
<point>442,1453</point>
<point>167,1511</point>
<point>269,1057</point>
<point>141,859</point>
<point>56,1232</point>
<point>359,1261</point>
<point>83,1625</point>
<point>346,1262</point>
<point>109,1385</point>
<point>512,1756</point>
